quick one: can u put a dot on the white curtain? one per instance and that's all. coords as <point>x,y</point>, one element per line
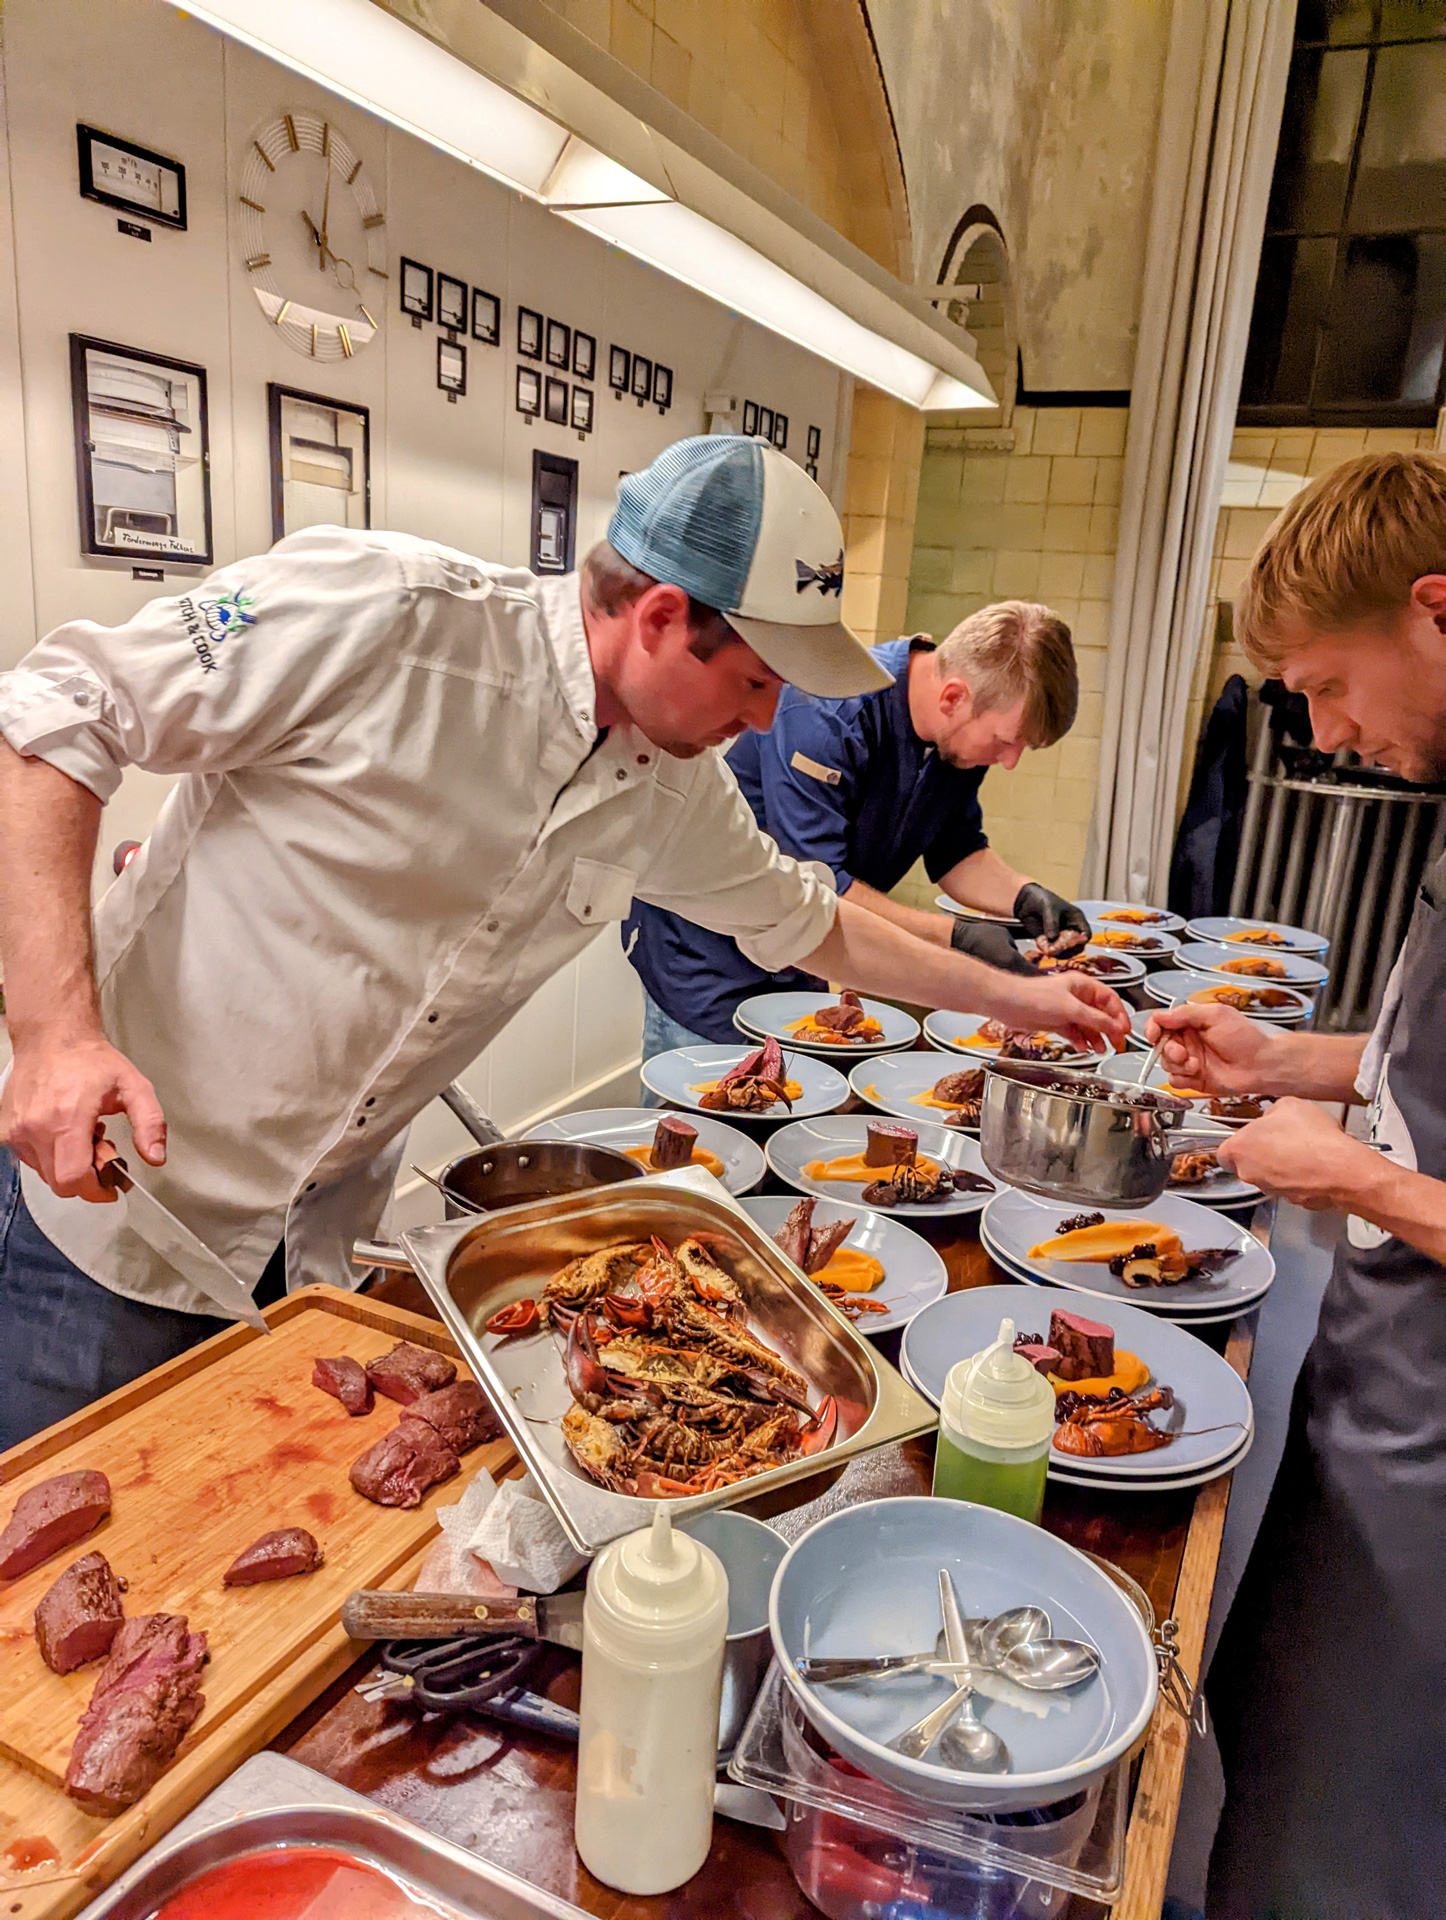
<point>1219,124</point>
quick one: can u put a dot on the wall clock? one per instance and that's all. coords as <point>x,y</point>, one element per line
<point>313,239</point>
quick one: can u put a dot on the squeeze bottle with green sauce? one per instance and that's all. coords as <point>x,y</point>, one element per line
<point>996,1423</point>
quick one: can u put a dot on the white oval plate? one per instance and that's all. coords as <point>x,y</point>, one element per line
<point>952,1033</point>
<point>1165,944</point>
<point>1162,1309</point>
<point>1208,1393</point>
<point>673,1076</point>
<point>1215,927</point>
<point>791,1148</point>
<point>1099,910</point>
<point>961,912</point>
<point>624,1127</point>
<point>1173,988</point>
<point>1016,1222</point>
<point>1127,970</point>
<point>914,1274</point>
<point>768,1015</point>
<point>893,1084</point>
<point>1214,959</point>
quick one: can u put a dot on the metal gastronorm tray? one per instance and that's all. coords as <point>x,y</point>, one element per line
<point>470,1268</point>
<point>274,1802</point>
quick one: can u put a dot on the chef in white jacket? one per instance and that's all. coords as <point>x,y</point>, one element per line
<point>414,785</point>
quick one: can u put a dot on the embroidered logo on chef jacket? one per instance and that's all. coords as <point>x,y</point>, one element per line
<point>1388,1130</point>
<point>207,623</point>
<point>801,763</point>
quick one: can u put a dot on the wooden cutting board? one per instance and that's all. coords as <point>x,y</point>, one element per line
<point>203,1456</point>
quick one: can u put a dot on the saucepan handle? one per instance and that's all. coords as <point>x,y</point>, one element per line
<point>1194,1139</point>
<point>379,1253</point>
<point>472,1117</point>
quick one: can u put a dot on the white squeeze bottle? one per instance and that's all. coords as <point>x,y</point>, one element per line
<point>996,1424</point>
<point>653,1627</point>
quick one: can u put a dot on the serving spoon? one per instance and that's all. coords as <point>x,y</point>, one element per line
<point>966,1744</point>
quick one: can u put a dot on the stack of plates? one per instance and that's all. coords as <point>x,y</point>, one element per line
<point>1212,1415</point>
<point>1221,962</point>
<point>1224,1190</point>
<point>1173,986</point>
<point>1013,1222</point>
<point>770,1016</point>
<point>1153,943</point>
<point>955,1033</point>
<point>1100,913</point>
<point>898,1083</point>
<point>791,1150</point>
<point>625,1128</point>
<point>1125,969</point>
<point>1225,928</point>
<point>676,1077</point>
<point>946,905</point>
<point>914,1274</point>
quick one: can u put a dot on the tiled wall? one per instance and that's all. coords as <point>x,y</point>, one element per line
<point>886,446</point>
<point>1029,512</point>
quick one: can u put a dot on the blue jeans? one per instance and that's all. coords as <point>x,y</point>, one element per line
<point>661,1033</point>
<point>65,1340</point>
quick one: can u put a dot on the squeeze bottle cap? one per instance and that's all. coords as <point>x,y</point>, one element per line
<point>659,1581</point>
<point>998,1398</point>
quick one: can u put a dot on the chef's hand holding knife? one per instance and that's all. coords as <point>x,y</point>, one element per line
<point>59,1089</point>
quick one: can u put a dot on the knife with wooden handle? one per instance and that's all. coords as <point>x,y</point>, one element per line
<point>370,1614</point>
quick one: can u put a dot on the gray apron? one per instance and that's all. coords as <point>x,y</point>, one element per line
<point>1329,1686</point>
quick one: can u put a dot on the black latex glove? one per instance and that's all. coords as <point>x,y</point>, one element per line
<point>990,943</point>
<point>1045,915</point>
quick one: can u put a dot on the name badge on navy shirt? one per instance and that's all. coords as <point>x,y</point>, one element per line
<point>829,775</point>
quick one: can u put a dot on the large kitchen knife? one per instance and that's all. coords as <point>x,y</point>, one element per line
<point>175,1242</point>
<point>372,1614</point>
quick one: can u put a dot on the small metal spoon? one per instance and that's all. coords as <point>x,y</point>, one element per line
<point>1012,1628</point>
<point>457,1199</point>
<point>965,1744</point>
<point>986,1752</point>
<point>1049,1666</point>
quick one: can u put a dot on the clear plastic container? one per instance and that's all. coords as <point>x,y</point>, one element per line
<point>861,1851</point>
<point>996,1426</point>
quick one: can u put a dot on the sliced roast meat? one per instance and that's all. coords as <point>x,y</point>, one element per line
<point>825,1243</point>
<point>1043,1358</point>
<point>52,1516</point>
<point>673,1143</point>
<point>1086,1348</point>
<point>843,1017</point>
<point>889,1143</point>
<point>346,1380</point>
<point>795,1235</point>
<point>956,1088</point>
<point>407,1372</point>
<point>80,1614</point>
<point>460,1414</point>
<point>403,1464</point>
<point>147,1695</point>
<point>275,1556</point>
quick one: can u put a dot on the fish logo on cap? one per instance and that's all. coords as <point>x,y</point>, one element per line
<point>829,579</point>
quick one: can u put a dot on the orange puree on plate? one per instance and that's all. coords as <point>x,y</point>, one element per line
<point>928,1100</point>
<point>852,1166</point>
<point>790,1087</point>
<point>852,1270</point>
<point>1107,1240</point>
<point>1129,1376</point>
<point>865,1030</point>
<point>701,1158</point>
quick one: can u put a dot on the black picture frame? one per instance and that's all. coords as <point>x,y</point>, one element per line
<point>529,392</point>
<point>554,512</point>
<point>177,554</point>
<point>642,380</point>
<point>815,442</point>
<point>811,469</point>
<point>554,401</point>
<point>584,354</point>
<point>620,363</point>
<point>86,137</point>
<point>452,299</point>
<point>780,431</point>
<point>411,302</point>
<point>486,317</point>
<point>765,423</point>
<point>276,396</point>
<point>582,409</point>
<point>662,386</point>
<point>529,333</point>
<point>451,378</point>
<point>750,418</point>
<point>559,345</point>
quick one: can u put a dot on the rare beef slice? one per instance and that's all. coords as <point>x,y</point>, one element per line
<point>407,1372</point>
<point>52,1516</point>
<point>1086,1348</point>
<point>147,1695</point>
<point>404,1464</point>
<point>346,1380</point>
<point>275,1556</point>
<point>461,1414</point>
<point>80,1614</point>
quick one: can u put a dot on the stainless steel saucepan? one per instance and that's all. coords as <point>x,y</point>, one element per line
<point>1064,1134</point>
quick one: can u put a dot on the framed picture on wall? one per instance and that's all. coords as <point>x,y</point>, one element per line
<point>780,431</point>
<point>815,441</point>
<point>662,387</point>
<point>584,354</point>
<point>142,453</point>
<point>554,404</point>
<point>765,423</point>
<point>486,317</point>
<point>582,409</point>
<point>811,469</point>
<point>529,391</point>
<point>451,302</point>
<point>750,417</point>
<point>642,378</point>
<point>529,333</point>
<point>451,367</point>
<point>619,368</point>
<point>320,461</point>
<point>416,290</point>
<point>559,345</point>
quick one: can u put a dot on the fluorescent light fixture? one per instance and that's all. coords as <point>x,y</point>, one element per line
<point>360,51</point>
<point>687,247</point>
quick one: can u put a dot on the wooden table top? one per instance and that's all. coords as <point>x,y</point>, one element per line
<point>508,1794</point>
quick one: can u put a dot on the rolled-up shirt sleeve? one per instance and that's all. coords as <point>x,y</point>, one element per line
<point>247,666</point>
<point>719,869</point>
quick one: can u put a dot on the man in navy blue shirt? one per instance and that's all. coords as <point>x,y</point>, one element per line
<point>870,784</point>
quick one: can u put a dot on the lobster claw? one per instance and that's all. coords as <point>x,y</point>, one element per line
<point>822,1425</point>
<point>585,1372</point>
<point>657,1486</point>
<point>628,1310</point>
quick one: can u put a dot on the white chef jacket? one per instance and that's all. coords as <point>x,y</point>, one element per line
<point>394,824</point>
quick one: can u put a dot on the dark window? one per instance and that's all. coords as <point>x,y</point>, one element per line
<point>1350,304</point>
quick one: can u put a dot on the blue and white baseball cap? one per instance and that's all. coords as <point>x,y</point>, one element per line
<point>742,528</point>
